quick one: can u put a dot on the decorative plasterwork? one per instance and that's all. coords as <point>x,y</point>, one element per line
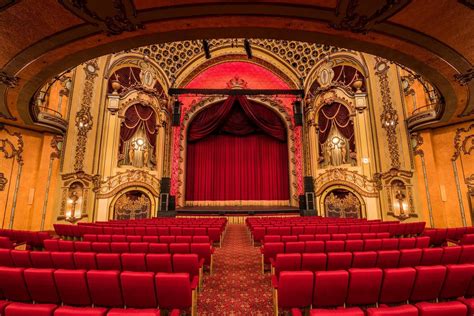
<point>416,142</point>
<point>385,182</point>
<point>3,181</point>
<point>8,148</point>
<point>112,16</point>
<point>158,102</point>
<point>56,144</point>
<point>463,142</point>
<point>8,80</point>
<point>174,56</point>
<point>351,16</point>
<point>389,116</point>
<point>83,116</point>
<point>329,97</point>
<point>470,184</point>
<point>342,176</point>
<point>272,102</point>
<point>130,178</point>
<point>464,78</point>
<point>68,179</point>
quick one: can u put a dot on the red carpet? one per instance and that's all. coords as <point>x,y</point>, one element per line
<point>237,286</point>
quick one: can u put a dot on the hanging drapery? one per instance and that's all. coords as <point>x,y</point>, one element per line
<point>237,151</point>
<point>334,120</point>
<point>139,123</point>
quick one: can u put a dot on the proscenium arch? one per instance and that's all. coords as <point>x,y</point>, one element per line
<point>60,51</point>
<point>202,105</point>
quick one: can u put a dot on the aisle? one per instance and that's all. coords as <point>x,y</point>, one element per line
<point>237,286</point>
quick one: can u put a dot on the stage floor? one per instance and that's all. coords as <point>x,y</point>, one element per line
<point>240,210</point>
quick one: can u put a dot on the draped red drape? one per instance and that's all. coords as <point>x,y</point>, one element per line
<point>237,150</point>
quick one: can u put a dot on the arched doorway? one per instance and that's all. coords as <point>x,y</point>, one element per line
<point>132,204</point>
<point>341,202</point>
<point>237,154</point>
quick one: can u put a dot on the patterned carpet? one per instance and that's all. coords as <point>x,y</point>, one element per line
<point>237,286</point>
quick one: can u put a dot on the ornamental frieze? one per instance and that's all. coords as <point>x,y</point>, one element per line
<point>352,179</point>
<point>109,186</point>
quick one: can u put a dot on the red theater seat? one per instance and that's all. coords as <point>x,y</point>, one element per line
<point>314,246</point>
<point>390,243</point>
<point>41,259</point>
<point>119,247</point>
<point>158,248</point>
<point>21,258</point>
<point>403,310</point>
<point>294,247</point>
<point>63,260</point>
<point>364,286</point>
<point>431,256</point>
<point>397,285</point>
<point>289,238</point>
<point>66,245</point>
<point>428,283</point>
<point>201,239</point>
<point>174,291</point>
<point>108,261</point>
<point>159,262</point>
<point>72,287</point>
<point>83,246</point>
<point>372,244</point>
<point>313,261</point>
<point>138,289</point>
<point>294,289</point>
<point>184,239</point>
<point>364,259</point>
<point>80,311</point>
<point>119,238</point>
<point>330,288</point>
<point>188,263</point>
<point>387,258</point>
<point>85,260</point>
<point>21,309</point>
<point>105,288</point>
<point>451,255</point>
<point>410,257</point>
<point>457,281</point>
<point>133,262</point>
<point>467,254</point>
<point>151,239</point>
<point>140,312</point>
<point>41,285</point>
<point>406,243</point>
<point>12,284</point>
<point>6,258</point>
<point>287,262</point>
<point>442,309</point>
<point>102,247</point>
<point>51,244</point>
<point>354,245</point>
<point>339,260</point>
<point>352,311</point>
<point>179,248</point>
<point>334,246</point>
<point>139,247</point>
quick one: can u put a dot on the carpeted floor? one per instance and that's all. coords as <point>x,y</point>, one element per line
<point>237,286</point>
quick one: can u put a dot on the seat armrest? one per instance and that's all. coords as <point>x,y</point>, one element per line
<point>296,312</point>
<point>274,282</point>
<point>201,262</point>
<point>194,282</point>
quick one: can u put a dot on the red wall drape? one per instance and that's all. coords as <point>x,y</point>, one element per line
<point>237,150</point>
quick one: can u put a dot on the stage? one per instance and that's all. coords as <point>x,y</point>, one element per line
<point>237,210</point>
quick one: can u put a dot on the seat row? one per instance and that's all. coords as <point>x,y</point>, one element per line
<point>306,237</point>
<point>371,259</point>
<point>367,287</point>
<point>394,229</point>
<point>439,236</point>
<point>419,309</point>
<point>77,231</point>
<point>100,289</point>
<point>269,249</point>
<point>120,247</point>
<point>156,239</point>
<point>31,238</point>
<point>138,262</point>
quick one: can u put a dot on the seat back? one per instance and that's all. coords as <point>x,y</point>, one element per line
<point>410,257</point>
<point>397,285</point>
<point>83,246</point>
<point>41,285</point>
<point>334,246</point>
<point>12,284</point>
<point>133,262</point>
<point>330,288</point>
<point>138,289</point>
<point>159,262</point>
<point>41,259</point>
<point>387,258</point>
<point>21,258</point>
<point>51,244</point>
<point>271,249</point>
<point>364,286</point>
<point>108,261</point>
<point>203,250</point>
<point>451,255</point>
<point>339,260</point>
<point>431,256</point>
<point>101,247</point>
<point>173,290</point>
<point>63,260</point>
<point>406,243</point>
<point>158,248</point>
<point>105,288</point>
<point>354,245</point>
<point>364,259</point>
<point>467,254</point>
<point>314,246</point>
<point>179,248</point>
<point>313,261</point>
<point>287,262</point>
<point>187,263</point>
<point>372,244</point>
<point>295,289</point>
<point>457,281</point>
<point>85,260</point>
<point>119,247</point>
<point>6,258</point>
<point>428,283</point>
<point>72,287</point>
<point>294,247</point>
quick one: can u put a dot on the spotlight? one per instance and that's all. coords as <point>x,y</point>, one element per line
<point>248,48</point>
<point>205,46</point>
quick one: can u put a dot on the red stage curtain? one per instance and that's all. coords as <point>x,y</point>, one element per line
<point>238,152</point>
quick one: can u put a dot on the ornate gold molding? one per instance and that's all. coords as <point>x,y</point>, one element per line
<point>470,184</point>
<point>417,141</point>
<point>68,179</point>
<point>389,116</point>
<point>463,144</point>
<point>130,178</point>
<point>3,181</point>
<point>84,119</point>
<point>8,148</point>
<point>342,176</point>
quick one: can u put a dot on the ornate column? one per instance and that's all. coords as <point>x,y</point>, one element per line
<point>361,121</point>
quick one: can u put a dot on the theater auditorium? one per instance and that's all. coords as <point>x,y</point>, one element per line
<point>227,158</point>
